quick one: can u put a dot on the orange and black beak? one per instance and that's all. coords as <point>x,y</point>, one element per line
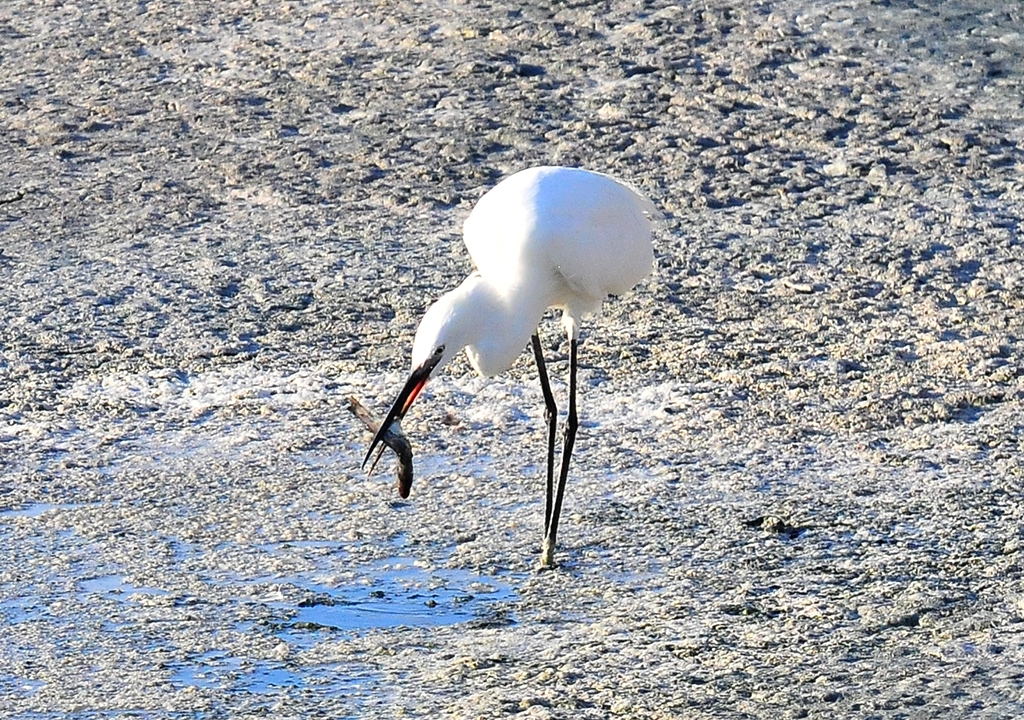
<point>417,380</point>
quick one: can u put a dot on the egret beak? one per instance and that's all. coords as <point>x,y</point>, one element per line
<point>417,380</point>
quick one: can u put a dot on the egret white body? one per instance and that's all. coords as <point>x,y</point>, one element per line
<point>544,237</point>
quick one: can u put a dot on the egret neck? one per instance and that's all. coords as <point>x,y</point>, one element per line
<point>494,325</point>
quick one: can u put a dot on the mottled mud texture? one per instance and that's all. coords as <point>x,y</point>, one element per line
<point>797,486</point>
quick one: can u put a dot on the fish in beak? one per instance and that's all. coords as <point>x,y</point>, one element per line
<point>389,432</point>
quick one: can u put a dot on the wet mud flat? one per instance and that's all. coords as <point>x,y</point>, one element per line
<point>796,489</point>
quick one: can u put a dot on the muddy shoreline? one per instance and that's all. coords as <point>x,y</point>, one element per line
<point>798,480</point>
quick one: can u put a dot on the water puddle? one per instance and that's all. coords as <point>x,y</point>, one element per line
<point>33,510</point>
<point>116,585</point>
<point>21,609</point>
<point>392,593</point>
<point>14,685</point>
<point>206,671</point>
<point>326,545</point>
<point>218,669</point>
<point>397,593</point>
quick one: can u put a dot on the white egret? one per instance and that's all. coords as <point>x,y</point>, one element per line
<point>543,237</point>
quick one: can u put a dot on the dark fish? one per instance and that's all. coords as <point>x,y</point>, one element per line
<point>394,439</point>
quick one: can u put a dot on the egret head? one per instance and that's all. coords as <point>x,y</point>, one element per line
<point>443,331</point>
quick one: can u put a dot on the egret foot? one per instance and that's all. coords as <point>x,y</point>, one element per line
<point>547,555</point>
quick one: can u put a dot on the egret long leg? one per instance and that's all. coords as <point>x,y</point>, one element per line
<point>547,556</point>
<point>551,416</point>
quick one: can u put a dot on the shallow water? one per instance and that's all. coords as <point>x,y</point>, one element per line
<point>33,510</point>
<point>398,593</point>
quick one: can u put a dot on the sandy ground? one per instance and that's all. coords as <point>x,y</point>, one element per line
<point>797,491</point>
